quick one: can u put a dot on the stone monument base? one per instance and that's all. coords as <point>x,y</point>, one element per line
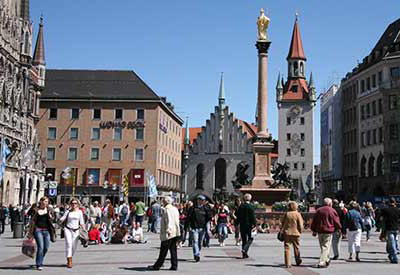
<point>266,195</point>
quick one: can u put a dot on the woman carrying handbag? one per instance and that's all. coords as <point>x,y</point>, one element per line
<point>72,221</point>
<point>42,229</point>
<point>292,226</point>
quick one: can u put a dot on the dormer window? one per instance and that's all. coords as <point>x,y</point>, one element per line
<point>295,88</point>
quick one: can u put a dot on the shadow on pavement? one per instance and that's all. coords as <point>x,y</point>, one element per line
<point>266,265</point>
<point>140,269</point>
<point>16,267</point>
<point>223,257</point>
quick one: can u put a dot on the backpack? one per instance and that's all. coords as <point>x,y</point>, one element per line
<point>124,210</point>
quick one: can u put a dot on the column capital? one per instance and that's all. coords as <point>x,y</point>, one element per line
<point>262,46</point>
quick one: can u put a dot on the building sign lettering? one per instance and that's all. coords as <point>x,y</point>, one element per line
<point>122,124</point>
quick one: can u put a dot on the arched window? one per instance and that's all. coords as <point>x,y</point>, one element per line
<point>220,174</point>
<point>200,176</point>
<point>379,165</point>
<point>302,68</point>
<point>371,166</point>
<point>363,166</point>
<point>296,68</point>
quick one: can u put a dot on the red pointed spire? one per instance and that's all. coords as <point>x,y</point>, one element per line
<point>38,56</point>
<point>296,46</point>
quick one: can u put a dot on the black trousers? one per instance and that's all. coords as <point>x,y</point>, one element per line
<point>165,246</point>
<point>2,225</point>
<point>247,240</point>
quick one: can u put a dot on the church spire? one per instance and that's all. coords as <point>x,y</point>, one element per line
<point>221,97</point>
<point>311,85</point>
<point>38,56</point>
<point>296,46</point>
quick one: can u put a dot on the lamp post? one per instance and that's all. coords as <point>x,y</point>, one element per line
<point>114,188</point>
<point>26,157</point>
<point>66,175</point>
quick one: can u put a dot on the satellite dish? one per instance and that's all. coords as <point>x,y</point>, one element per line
<point>67,169</point>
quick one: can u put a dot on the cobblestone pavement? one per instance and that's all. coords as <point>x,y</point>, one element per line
<point>266,257</point>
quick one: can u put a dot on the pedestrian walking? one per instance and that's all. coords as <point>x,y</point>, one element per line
<point>42,229</point>
<point>198,217</point>
<point>222,219</point>
<point>325,223</point>
<point>338,234</point>
<point>247,222</point>
<point>292,227</point>
<point>238,202</point>
<point>369,219</point>
<point>169,235</point>
<point>155,216</point>
<point>140,211</point>
<point>354,224</point>
<point>72,221</point>
<point>108,217</point>
<point>2,218</point>
<point>391,218</point>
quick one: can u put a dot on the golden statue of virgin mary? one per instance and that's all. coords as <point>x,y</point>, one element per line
<point>262,24</point>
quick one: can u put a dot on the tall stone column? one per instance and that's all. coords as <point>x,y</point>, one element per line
<point>262,47</point>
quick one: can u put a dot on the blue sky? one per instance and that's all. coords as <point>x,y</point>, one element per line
<point>180,47</point>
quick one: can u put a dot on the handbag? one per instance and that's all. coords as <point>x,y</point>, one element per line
<point>281,234</point>
<point>29,248</point>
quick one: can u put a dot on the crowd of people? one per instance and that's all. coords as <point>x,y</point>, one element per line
<point>194,223</point>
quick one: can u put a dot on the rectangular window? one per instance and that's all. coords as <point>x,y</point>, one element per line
<point>294,88</point>
<point>303,166</point>
<point>374,108</point>
<point>140,114</point>
<point>139,154</point>
<point>52,133</point>
<point>72,153</point>
<point>380,77</point>
<point>368,114</point>
<point>51,153</point>
<point>394,131</point>
<point>96,113</point>
<point>288,152</point>
<point>53,113</point>
<point>374,139</point>
<point>95,154</point>
<point>295,166</point>
<point>392,102</point>
<point>75,113</point>
<point>288,121</point>
<point>373,80</point>
<point>117,133</point>
<point>395,72</point>
<point>368,84</point>
<point>362,86</point>
<point>394,163</point>
<point>302,152</point>
<point>95,133</point>
<point>368,137</point>
<point>302,136</point>
<point>118,114</point>
<point>362,139</point>
<point>288,136</point>
<point>362,112</point>
<point>380,134</point>
<point>380,106</point>
<point>117,154</point>
<point>73,134</point>
<point>302,120</point>
<point>50,173</point>
<point>140,134</point>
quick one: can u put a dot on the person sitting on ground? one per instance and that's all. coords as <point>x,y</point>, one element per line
<point>94,235</point>
<point>120,235</point>
<point>136,235</point>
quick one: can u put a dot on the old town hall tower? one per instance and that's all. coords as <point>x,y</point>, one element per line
<point>296,100</point>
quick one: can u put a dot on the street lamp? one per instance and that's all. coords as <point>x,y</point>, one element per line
<point>26,157</point>
<point>90,182</point>
<point>66,175</point>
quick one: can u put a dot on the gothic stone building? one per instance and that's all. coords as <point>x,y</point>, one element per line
<point>21,80</point>
<point>216,151</point>
<point>296,101</point>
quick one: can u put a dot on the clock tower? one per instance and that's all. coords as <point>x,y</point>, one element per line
<point>296,100</point>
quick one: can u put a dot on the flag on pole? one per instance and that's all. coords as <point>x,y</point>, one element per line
<point>151,182</point>
<point>5,151</point>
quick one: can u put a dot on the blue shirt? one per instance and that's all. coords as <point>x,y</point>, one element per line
<point>354,221</point>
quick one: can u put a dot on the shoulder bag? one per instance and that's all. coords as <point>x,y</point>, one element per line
<point>281,234</point>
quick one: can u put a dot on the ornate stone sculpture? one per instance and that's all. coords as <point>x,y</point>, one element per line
<point>262,24</point>
<point>241,177</point>
<point>281,176</point>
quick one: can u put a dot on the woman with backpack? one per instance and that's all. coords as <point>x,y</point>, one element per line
<point>72,221</point>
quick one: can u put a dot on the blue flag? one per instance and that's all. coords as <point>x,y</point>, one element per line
<point>5,151</point>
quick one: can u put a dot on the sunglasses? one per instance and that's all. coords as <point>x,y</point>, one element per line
<point>74,203</point>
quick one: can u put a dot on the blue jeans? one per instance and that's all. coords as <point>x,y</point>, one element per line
<point>198,235</point>
<point>391,245</point>
<point>42,238</point>
<point>222,232</point>
<point>207,235</point>
<point>154,225</point>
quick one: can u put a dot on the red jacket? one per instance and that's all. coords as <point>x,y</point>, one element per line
<point>325,220</point>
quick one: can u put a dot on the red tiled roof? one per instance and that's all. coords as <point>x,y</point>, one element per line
<point>193,132</point>
<point>250,129</point>
<point>296,46</point>
<point>302,89</point>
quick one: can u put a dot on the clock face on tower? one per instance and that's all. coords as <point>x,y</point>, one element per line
<point>294,112</point>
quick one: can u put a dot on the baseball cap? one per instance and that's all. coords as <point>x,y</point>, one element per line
<point>201,197</point>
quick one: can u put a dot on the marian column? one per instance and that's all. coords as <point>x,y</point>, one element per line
<point>262,145</point>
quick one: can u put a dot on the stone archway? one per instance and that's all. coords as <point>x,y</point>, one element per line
<point>220,173</point>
